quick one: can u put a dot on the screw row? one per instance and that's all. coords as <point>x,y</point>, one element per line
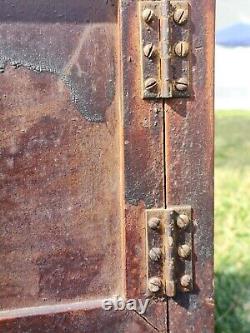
<point>181,49</point>
<point>155,253</point>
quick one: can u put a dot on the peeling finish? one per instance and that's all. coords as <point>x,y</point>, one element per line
<point>28,46</point>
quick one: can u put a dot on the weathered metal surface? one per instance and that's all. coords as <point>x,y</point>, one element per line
<point>72,149</point>
<point>165,48</point>
<point>91,321</point>
<point>180,222</point>
<point>61,38</point>
<point>60,199</point>
<point>189,143</point>
<point>170,232</point>
<point>144,161</point>
<point>56,168</point>
<point>155,240</point>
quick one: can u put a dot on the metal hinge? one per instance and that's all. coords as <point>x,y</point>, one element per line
<point>165,48</point>
<point>169,248</point>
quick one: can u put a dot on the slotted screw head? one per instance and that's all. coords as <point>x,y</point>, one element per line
<point>181,15</point>
<point>183,221</point>
<point>154,223</point>
<point>185,281</point>
<point>181,84</point>
<point>149,50</point>
<point>147,15</point>
<point>150,84</point>
<point>184,251</point>
<point>154,284</point>
<point>155,254</point>
<point>181,49</point>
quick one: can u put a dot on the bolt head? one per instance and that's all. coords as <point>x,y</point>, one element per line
<point>184,251</point>
<point>155,254</point>
<point>149,50</point>
<point>182,221</point>
<point>147,15</point>
<point>154,223</point>
<point>181,15</point>
<point>181,84</point>
<point>154,284</point>
<point>150,84</point>
<point>181,49</point>
<point>185,281</point>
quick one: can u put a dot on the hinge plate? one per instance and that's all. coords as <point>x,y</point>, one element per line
<point>169,250</point>
<point>165,48</point>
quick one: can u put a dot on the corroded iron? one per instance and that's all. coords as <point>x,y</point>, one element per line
<point>169,247</point>
<point>173,58</point>
<point>83,156</point>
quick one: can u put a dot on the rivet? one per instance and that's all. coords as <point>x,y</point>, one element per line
<point>155,254</point>
<point>184,251</point>
<point>154,284</point>
<point>154,223</point>
<point>183,221</point>
<point>150,84</point>
<point>181,15</point>
<point>147,15</point>
<point>149,50</point>
<point>185,281</point>
<point>181,84</point>
<point>181,49</point>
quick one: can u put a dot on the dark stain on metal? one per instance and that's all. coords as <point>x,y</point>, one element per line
<point>87,69</point>
<point>58,11</point>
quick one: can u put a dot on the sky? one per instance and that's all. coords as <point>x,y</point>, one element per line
<point>232,90</point>
<point>231,11</point>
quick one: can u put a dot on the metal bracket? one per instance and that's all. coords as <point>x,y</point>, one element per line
<point>169,248</point>
<point>165,48</point>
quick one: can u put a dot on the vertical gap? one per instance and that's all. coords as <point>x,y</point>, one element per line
<point>160,64</point>
<point>164,155</point>
<point>167,322</point>
<point>165,192</point>
<point>167,314</point>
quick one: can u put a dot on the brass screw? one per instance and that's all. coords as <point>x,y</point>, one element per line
<point>181,15</point>
<point>150,84</point>
<point>181,84</point>
<point>183,221</point>
<point>149,50</point>
<point>184,251</point>
<point>181,49</point>
<point>185,281</point>
<point>147,15</point>
<point>154,284</point>
<point>155,254</point>
<point>154,223</point>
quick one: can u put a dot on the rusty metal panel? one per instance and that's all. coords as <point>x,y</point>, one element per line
<point>83,157</point>
<point>189,163</point>
<point>61,164</point>
<point>144,162</point>
<point>90,321</point>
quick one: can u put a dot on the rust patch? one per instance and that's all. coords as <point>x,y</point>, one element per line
<point>85,61</point>
<point>67,274</point>
<point>56,169</point>
<point>189,137</point>
<point>92,321</point>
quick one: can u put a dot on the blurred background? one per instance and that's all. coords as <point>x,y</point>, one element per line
<point>232,167</point>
